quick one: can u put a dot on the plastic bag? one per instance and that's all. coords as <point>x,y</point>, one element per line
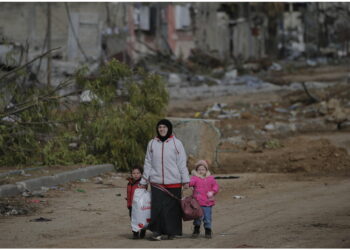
<point>141,209</point>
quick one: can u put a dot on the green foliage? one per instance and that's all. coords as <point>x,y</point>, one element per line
<point>273,144</point>
<point>117,128</point>
<point>112,128</point>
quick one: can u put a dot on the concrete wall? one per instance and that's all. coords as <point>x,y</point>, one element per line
<point>21,22</point>
<point>200,137</point>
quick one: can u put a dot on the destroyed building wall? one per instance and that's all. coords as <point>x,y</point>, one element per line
<point>29,23</point>
<point>129,31</point>
<point>249,32</point>
<point>159,27</point>
<point>180,30</point>
<point>83,32</point>
<point>214,36</point>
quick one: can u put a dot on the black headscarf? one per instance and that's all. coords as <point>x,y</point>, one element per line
<point>170,129</point>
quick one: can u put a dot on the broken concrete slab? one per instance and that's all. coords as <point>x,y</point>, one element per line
<point>9,190</point>
<point>48,181</point>
<point>200,137</point>
<point>174,79</point>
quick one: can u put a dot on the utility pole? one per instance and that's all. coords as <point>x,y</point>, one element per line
<point>49,44</point>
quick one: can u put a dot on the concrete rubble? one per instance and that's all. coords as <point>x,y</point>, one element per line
<point>38,185</point>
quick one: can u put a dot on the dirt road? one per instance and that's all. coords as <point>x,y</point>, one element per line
<point>277,211</point>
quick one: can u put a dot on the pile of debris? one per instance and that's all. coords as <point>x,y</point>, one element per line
<point>15,207</point>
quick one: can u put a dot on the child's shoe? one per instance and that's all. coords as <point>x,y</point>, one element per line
<point>208,233</point>
<point>135,235</point>
<point>142,233</point>
<point>196,232</point>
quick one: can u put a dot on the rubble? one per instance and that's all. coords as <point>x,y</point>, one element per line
<point>174,79</point>
<point>275,67</point>
<point>344,126</point>
<point>230,76</point>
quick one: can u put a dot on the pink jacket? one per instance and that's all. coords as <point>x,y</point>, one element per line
<point>202,185</point>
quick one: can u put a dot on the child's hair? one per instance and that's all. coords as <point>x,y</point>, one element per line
<point>203,163</point>
<point>138,168</point>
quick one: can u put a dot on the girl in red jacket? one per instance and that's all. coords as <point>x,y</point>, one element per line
<point>204,188</point>
<point>134,180</point>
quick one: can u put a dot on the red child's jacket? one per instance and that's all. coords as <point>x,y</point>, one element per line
<point>132,185</point>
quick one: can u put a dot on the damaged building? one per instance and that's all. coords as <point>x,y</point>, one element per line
<point>93,33</point>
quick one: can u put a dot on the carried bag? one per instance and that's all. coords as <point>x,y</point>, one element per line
<point>141,209</point>
<point>189,205</point>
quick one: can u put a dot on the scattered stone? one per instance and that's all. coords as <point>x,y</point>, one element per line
<point>311,63</point>
<point>174,79</point>
<point>23,173</point>
<point>269,127</point>
<point>231,75</point>
<point>275,67</point>
<point>238,197</point>
<point>322,108</point>
<point>98,180</point>
<point>252,144</point>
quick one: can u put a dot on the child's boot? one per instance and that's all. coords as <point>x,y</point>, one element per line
<point>196,232</point>
<point>208,233</point>
<point>142,233</point>
<point>135,235</point>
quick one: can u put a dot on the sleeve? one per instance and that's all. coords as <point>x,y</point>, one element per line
<point>215,186</point>
<point>192,182</point>
<point>182,163</point>
<point>147,165</point>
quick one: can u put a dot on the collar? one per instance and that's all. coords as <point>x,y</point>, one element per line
<point>195,173</point>
<point>170,137</point>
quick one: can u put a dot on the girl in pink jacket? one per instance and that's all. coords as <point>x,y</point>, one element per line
<point>204,188</point>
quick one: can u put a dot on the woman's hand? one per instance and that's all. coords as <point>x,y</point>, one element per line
<point>185,186</point>
<point>142,186</point>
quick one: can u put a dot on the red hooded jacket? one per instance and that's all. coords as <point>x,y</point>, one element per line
<point>132,185</point>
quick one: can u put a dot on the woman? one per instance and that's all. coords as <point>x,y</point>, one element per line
<point>165,165</point>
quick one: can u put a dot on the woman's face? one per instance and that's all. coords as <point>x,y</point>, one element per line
<point>162,129</point>
<point>136,174</point>
<point>202,170</point>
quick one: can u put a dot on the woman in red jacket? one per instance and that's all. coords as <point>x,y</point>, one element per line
<point>134,180</point>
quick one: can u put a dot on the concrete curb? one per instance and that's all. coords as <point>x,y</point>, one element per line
<point>57,179</point>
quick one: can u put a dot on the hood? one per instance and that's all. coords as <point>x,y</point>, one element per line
<point>194,173</point>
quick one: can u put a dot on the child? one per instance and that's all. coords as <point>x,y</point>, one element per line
<point>204,188</point>
<point>136,173</point>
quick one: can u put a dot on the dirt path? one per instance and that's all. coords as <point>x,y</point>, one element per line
<point>278,211</point>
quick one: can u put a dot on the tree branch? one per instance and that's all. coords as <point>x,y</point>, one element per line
<point>312,98</point>
<point>31,61</point>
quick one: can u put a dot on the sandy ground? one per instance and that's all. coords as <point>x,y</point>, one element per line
<point>277,211</point>
<point>308,206</point>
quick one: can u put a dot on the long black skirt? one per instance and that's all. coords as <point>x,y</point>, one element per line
<point>166,214</point>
